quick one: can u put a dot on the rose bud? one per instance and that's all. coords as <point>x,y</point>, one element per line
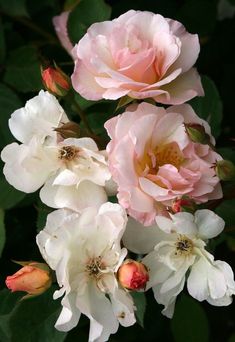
<point>33,277</point>
<point>184,204</point>
<point>225,170</point>
<point>69,130</point>
<point>197,133</point>
<point>133,275</point>
<point>55,81</point>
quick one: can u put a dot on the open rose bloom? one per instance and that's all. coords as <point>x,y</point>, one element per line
<point>85,252</point>
<point>177,246</point>
<point>153,160</point>
<point>139,54</point>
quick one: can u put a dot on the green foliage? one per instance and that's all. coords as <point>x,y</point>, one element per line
<point>2,231</point>
<point>43,211</point>
<point>2,43</point>
<point>140,303</point>
<point>9,196</point>
<point>70,4</point>
<point>14,7</point>
<point>209,107</point>
<point>23,70</point>
<point>189,322</point>
<point>9,101</point>
<point>30,320</point>
<point>227,212</point>
<point>84,14</point>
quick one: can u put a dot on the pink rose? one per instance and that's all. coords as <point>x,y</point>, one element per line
<point>139,54</point>
<point>153,161</point>
<point>60,24</point>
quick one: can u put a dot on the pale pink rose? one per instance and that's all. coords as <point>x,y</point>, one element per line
<point>139,54</point>
<point>153,161</point>
<point>60,25</point>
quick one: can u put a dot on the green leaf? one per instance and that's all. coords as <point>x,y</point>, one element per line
<point>124,101</point>
<point>9,196</point>
<point>2,231</point>
<point>189,322</point>
<point>232,338</point>
<point>9,101</point>
<point>96,122</point>
<point>70,4</point>
<point>231,243</point>
<point>227,153</point>
<point>86,13</point>
<point>14,7</point>
<point>227,212</point>
<point>30,320</point>
<point>23,70</point>
<point>43,211</point>
<point>140,303</point>
<point>2,43</point>
<point>83,103</point>
<point>209,107</point>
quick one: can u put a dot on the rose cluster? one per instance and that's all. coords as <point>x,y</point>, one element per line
<point>158,162</point>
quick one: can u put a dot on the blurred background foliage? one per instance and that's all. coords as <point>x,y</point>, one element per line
<point>28,40</point>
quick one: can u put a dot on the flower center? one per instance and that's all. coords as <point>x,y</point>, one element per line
<point>184,245</point>
<point>68,153</point>
<point>168,154</point>
<point>95,267</point>
<point>153,159</point>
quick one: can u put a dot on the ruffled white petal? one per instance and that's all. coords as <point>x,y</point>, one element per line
<point>39,117</point>
<point>209,224</point>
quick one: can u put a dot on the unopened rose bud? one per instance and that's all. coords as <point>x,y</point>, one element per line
<point>69,130</point>
<point>183,205</point>
<point>225,170</point>
<point>33,278</point>
<point>197,133</point>
<point>133,275</point>
<point>55,81</point>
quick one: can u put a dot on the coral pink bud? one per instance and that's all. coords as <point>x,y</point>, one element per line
<point>183,204</point>
<point>34,278</point>
<point>55,81</point>
<point>133,275</point>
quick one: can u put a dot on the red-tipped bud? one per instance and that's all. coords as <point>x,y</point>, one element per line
<point>133,275</point>
<point>197,133</point>
<point>69,130</point>
<point>33,278</point>
<point>225,170</point>
<point>55,81</point>
<point>184,204</point>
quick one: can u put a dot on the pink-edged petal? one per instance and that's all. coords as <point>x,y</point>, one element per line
<point>190,46</point>
<point>84,82</point>
<point>60,24</point>
<point>182,89</point>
